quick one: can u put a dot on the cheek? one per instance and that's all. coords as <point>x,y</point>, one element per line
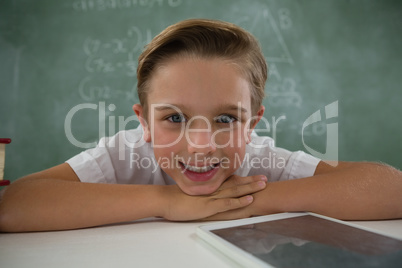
<point>235,152</point>
<point>235,155</point>
<point>166,144</point>
<point>230,138</point>
<point>165,138</point>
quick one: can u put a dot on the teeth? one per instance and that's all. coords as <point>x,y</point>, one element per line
<point>199,169</point>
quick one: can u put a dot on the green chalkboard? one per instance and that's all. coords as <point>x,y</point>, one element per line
<point>65,62</point>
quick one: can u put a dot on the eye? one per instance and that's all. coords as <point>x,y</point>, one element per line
<point>176,118</point>
<point>225,119</point>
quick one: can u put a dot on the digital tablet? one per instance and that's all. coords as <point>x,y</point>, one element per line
<point>301,240</point>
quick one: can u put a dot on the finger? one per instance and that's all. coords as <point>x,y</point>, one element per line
<point>235,180</point>
<point>233,214</point>
<point>226,204</point>
<point>241,190</point>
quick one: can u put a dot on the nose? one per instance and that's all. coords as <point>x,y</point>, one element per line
<point>199,140</point>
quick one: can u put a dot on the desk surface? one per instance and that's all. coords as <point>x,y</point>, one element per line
<point>145,243</point>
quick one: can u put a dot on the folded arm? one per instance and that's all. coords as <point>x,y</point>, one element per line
<point>55,199</point>
<point>350,191</point>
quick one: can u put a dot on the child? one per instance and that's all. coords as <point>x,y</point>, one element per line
<point>194,156</point>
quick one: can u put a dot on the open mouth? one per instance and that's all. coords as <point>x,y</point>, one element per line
<point>200,174</point>
<point>199,169</point>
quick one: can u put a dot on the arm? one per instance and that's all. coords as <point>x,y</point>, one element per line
<point>350,191</point>
<point>55,199</point>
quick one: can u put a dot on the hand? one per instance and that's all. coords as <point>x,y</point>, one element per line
<point>233,194</point>
<point>260,205</point>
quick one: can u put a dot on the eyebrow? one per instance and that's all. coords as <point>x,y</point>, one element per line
<point>233,107</point>
<point>228,107</point>
<point>162,107</point>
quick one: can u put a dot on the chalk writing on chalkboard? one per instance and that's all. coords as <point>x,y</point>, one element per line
<point>108,60</point>
<point>263,24</point>
<point>116,54</point>
<point>281,90</point>
<point>104,5</point>
<point>91,90</point>
<point>284,94</point>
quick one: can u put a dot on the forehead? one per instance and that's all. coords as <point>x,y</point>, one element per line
<point>199,83</point>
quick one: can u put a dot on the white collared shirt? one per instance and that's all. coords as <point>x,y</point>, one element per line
<point>126,158</point>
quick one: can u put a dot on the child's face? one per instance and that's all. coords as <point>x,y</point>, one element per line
<point>199,112</point>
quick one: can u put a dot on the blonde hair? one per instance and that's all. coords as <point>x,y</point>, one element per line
<point>206,39</point>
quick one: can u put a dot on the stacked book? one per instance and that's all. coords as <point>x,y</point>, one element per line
<point>3,143</point>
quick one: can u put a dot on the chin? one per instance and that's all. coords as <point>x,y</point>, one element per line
<point>200,190</point>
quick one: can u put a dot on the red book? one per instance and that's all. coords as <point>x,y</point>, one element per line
<point>3,143</point>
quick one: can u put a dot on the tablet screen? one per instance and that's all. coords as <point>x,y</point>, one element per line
<point>309,241</point>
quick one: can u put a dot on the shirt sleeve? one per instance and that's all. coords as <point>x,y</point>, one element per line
<point>278,164</point>
<point>118,160</point>
<point>86,168</point>
<point>109,161</point>
<point>299,165</point>
<point>93,165</point>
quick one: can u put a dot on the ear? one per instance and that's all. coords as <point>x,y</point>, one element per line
<point>139,111</point>
<point>254,121</point>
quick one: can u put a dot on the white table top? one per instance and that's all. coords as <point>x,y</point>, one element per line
<point>144,243</point>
